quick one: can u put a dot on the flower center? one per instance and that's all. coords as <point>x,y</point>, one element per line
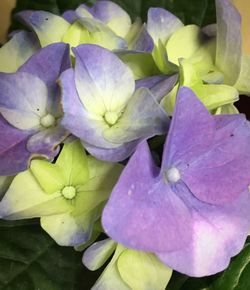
<point>69,192</point>
<point>172,175</point>
<point>48,121</point>
<point>111,117</point>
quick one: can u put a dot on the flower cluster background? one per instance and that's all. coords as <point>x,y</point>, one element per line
<point>124,159</point>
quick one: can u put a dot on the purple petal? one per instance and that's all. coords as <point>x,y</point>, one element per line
<point>160,85</point>
<point>111,14</point>
<point>211,153</point>
<point>70,16</point>
<point>143,42</point>
<point>13,152</point>
<point>143,212</point>
<point>49,63</point>
<point>218,233</point>
<point>222,173</point>
<point>23,99</point>
<point>228,51</point>
<point>210,30</point>
<point>161,24</point>
<point>76,119</point>
<point>106,11</point>
<point>191,132</point>
<point>164,87</point>
<point>149,82</point>
<point>49,27</point>
<point>150,211</point>
<point>103,81</point>
<point>114,154</point>
<point>102,33</point>
<point>46,142</point>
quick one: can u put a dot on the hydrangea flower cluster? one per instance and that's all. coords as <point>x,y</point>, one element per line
<point>85,95</point>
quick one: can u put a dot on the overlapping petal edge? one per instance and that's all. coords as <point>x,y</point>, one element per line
<point>67,195</point>
<point>194,211</point>
<point>102,108</point>
<point>30,109</point>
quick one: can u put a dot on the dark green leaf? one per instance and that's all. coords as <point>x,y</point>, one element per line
<point>30,260</point>
<point>48,5</point>
<point>198,12</point>
<point>210,15</point>
<point>183,282</point>
<point>54,6</point>
<point>176,281</point>
<point>196,284</point>
<point>64,5</point>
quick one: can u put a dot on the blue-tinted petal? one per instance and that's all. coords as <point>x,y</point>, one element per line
<point>161,24</point>
<point>83,124</point>
<point>142,118</point>
<point>49,28</point>
<point>48,63</point>
<point>104,83</point>
<point>23,99</point>
<point>13,152</point>
<point>143,212</point>
<point>228,51</point>
<point>111,14</point>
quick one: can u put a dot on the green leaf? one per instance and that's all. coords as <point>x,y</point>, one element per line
<point>30,260</point>
<point>183,282</point>
<point>64,5</point>
<point>190,12</point>
<point>47,5</point>
<point>176,281</point>
<point>54,6</point>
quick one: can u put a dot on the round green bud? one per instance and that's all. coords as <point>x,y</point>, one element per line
<point>69,192</point>
<point>48,121</point>
<point>111,118</point>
